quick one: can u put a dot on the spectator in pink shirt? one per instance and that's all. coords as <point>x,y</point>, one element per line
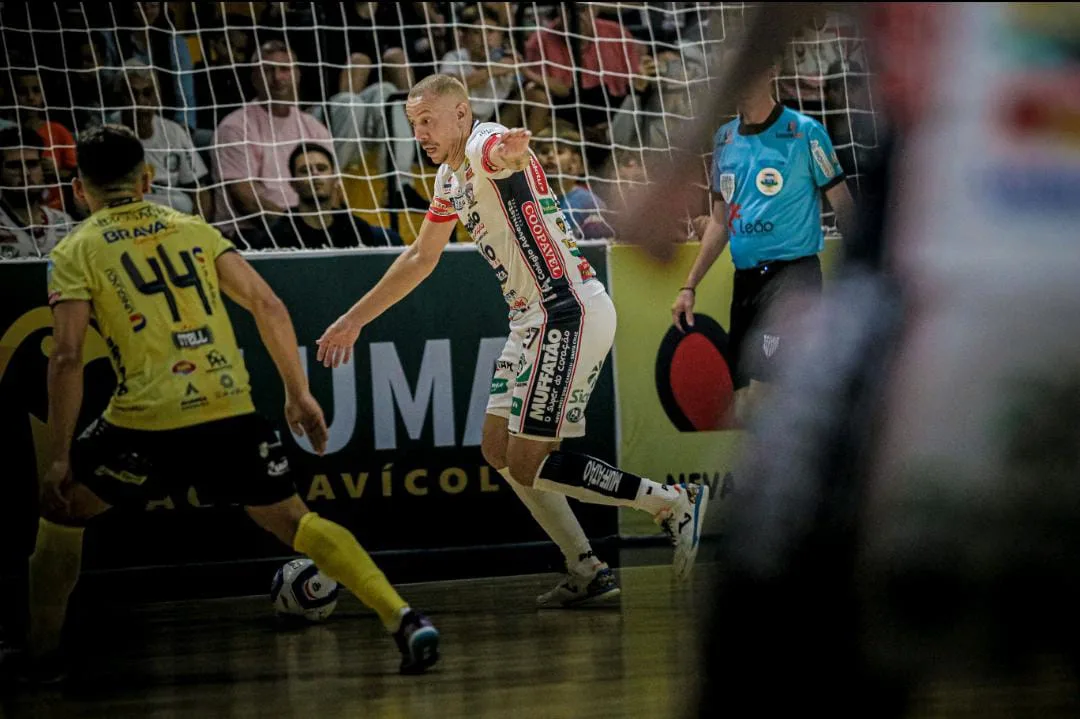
<point>610,57</point>
<point>252,145</point>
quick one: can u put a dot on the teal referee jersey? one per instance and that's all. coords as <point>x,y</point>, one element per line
<point>772,177</point>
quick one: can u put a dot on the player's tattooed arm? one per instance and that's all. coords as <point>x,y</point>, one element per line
<point>65,386</point>
<point>511,151</point>
<point>66,372</point>
<point>247,288</point>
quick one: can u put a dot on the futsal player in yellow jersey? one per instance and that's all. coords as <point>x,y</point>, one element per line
<point>153,279</point>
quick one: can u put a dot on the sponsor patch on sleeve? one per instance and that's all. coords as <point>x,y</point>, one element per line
<point>822,159</point>
<point>727,186</point>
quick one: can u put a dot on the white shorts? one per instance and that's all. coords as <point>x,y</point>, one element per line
<point>547,371</point>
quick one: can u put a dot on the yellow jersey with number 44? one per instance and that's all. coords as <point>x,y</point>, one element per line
<point>149,273</point>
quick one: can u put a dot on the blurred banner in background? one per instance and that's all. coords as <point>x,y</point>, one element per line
<point>675,389</point>
<point>403,468</point>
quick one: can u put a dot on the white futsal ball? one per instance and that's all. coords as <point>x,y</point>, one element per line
<point>299,589</point>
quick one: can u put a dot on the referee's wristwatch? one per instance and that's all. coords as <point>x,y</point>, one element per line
<point>692,289</point>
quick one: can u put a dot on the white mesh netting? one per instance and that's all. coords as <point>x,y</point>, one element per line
<point>605,87</point>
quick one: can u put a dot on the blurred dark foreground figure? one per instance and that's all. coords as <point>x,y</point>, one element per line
<point>785,632</point>
<point>904,540</point>
<point>858,584</point>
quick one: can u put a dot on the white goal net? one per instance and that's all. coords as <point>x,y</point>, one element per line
<point>605,88</point>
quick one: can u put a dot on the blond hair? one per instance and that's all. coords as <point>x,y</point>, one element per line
<point>439,86</point>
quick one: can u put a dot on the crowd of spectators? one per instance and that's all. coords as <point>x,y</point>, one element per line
<point>253,113</point>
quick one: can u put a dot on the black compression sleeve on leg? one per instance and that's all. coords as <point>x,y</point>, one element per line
<point>580,470</point>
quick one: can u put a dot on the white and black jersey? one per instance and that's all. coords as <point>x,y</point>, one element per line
<point>517,225</point>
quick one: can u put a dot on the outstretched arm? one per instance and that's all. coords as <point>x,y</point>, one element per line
<point>511,150</point>
<point>410,269</point>
<point>247,288</point>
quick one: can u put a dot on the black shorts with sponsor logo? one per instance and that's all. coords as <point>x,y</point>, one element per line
<point>237,460</point>
<point>757,348</point>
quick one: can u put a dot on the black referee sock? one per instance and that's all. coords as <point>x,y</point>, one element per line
<point>597,482</point>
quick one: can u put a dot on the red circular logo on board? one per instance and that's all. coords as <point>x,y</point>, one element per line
<point>693,377</point>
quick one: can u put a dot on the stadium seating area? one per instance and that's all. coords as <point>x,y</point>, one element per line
<point>604,88</point>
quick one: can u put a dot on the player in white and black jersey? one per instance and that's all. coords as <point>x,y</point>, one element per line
<point>562,326</point>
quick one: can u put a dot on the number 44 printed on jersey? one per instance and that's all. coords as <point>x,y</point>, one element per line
<point>158,285</point>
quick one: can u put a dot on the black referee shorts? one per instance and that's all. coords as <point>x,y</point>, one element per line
<point>756,348</point>
<point>238,460</point>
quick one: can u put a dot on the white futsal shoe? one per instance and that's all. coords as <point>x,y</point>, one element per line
<point>682,523</point>
<point>595,588</point>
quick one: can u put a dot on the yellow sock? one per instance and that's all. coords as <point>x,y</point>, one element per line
<point>339,556</point>
<point>54,571</point>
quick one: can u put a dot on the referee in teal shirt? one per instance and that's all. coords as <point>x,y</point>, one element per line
<point>771,167</point>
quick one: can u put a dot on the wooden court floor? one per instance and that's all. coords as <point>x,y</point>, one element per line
<point>500,657</point>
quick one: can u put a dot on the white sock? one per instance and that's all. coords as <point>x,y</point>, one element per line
<point>654,498</point>
<point>552,512</point>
